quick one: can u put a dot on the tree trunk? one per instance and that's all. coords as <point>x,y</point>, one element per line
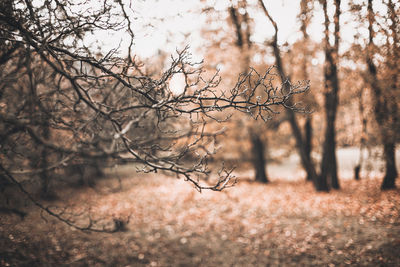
<point>357,169</point>
<point>363,137</point>
<point>389,151</point>
<point>305,19</point>
<point>259,161</point>
<point>328,165</point>
<point>305,159</point>
<point>385,106</point>
<point>328,174</point>
<point>308,142</point>
<point>243,43</point>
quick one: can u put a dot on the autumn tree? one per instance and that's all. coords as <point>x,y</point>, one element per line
<point>385,82</point>
<point>305,16</point>
<point>62,101</point>
<point>230,44</point>
<point>331,94</point>
<point>301,141</point>
<point>240,20</point>
<point>328,164</point>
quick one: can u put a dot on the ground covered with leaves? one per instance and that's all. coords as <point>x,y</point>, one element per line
<point>168,223</point>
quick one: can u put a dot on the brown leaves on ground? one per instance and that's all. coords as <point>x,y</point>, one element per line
<point>171,224</point>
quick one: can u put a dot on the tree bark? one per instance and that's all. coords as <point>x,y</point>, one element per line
<point>389,180</point>
<point>305,18</point>
<point>308,142</point>
<point>259,161</point>
<point>363,137</point>
<point>331,91</point>
<point>305,159</point>
<point>385,105</point>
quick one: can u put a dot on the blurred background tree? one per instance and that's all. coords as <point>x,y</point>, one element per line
<point>384,82</point>
<point>328,64</point>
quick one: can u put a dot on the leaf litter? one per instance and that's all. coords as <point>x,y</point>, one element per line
<point>283,223</point>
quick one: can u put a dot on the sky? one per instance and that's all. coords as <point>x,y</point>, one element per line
<point>169,25</point>
<point>172,24</point>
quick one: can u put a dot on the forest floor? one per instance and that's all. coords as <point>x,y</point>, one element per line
<point>283,223</point>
